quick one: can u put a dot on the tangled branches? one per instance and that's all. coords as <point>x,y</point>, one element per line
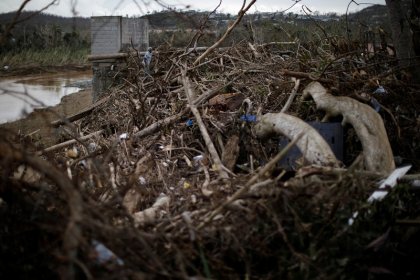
<point>175,183</point>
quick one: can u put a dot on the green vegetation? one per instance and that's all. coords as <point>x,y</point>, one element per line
<point>45,40</point>
<point>60,55</point>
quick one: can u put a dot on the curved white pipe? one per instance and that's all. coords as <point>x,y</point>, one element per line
<point>367,123</point>
<point>313,147</point>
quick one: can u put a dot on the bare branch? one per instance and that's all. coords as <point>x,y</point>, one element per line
<point>228,31</point>
<point>210,146</point>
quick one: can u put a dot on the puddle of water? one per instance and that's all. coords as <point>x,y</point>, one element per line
<point>20,96</point>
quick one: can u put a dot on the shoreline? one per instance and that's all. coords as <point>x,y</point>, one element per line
<point>24,70</point>
<point>37,124</point>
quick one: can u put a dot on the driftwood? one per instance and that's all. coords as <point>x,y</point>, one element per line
<point>70,142</point>
<point>218,165</point>
<point>124,55</point>
<point>314,148</point>
<point>171,119</point>
<point>304,75</point>
<point>228,31</point>
<point>260,174</point>
<point>72,234</point>
<point>79,115</point>
<point>366,122</point>
<point>292,96</point>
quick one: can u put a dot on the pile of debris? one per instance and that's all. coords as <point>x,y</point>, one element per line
<point>177,174</point>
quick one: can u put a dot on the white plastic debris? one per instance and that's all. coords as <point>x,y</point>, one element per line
<point>198,158</point>
<point>82,164</point>
<point>124,136</point>
<point>351,220</point>
<point>383,189</point>
<point>104,255</point>
<point>92,147</point>
<point>380,90</point>
<point>389,183</point>
<point>142,180</point>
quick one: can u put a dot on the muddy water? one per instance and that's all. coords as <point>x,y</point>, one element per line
<point>20,96</point>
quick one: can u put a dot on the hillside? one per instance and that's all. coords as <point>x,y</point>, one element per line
<point>66,24</point>
<point>376,15</point>
<point>372,15</point>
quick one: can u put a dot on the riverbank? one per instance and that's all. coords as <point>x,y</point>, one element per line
<point>30,61</point>
<point>36,126</point>
<point>31,69</point>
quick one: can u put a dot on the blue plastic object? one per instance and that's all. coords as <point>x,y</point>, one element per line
<point>380,90</point>
<point>376,105</point>
<point>189,123</point>
<point>105,255</point>
<point>249,118</point>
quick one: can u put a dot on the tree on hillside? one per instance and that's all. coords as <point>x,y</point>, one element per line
<point>18,19</point>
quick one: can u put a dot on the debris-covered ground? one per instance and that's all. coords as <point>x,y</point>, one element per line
<point>168,179</point>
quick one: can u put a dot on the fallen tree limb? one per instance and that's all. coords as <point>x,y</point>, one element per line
<point>123,55</point>
<point>155,126</point>
<point>251,182</point>
<point>70,142</point>
<point>72,233</point>
<point>254,50</point>
<point>171,119</point>
<point>278,43</point>
<point>228,31</point>
<point>368,124</point>
<point>304,75</point>
<point>292,96</point>
<point>314,148</point>
<point>218,165</point>
<point>78,115</point>
<point>213,92</point>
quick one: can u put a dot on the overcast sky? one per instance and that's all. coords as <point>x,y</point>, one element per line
<point>89,8</point>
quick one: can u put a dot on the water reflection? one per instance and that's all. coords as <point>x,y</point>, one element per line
<point>19,96</point>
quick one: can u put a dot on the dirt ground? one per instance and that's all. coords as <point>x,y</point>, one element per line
<point>36,124</point>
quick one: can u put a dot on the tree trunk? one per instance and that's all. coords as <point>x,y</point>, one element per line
<point>415,26</point>
<point>402,35</point>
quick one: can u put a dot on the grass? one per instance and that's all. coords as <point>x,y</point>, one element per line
<point>55,56</point>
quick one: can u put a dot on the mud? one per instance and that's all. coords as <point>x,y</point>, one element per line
<point>22,94</point>
<point>37,69</point>
<point>36,126</point>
